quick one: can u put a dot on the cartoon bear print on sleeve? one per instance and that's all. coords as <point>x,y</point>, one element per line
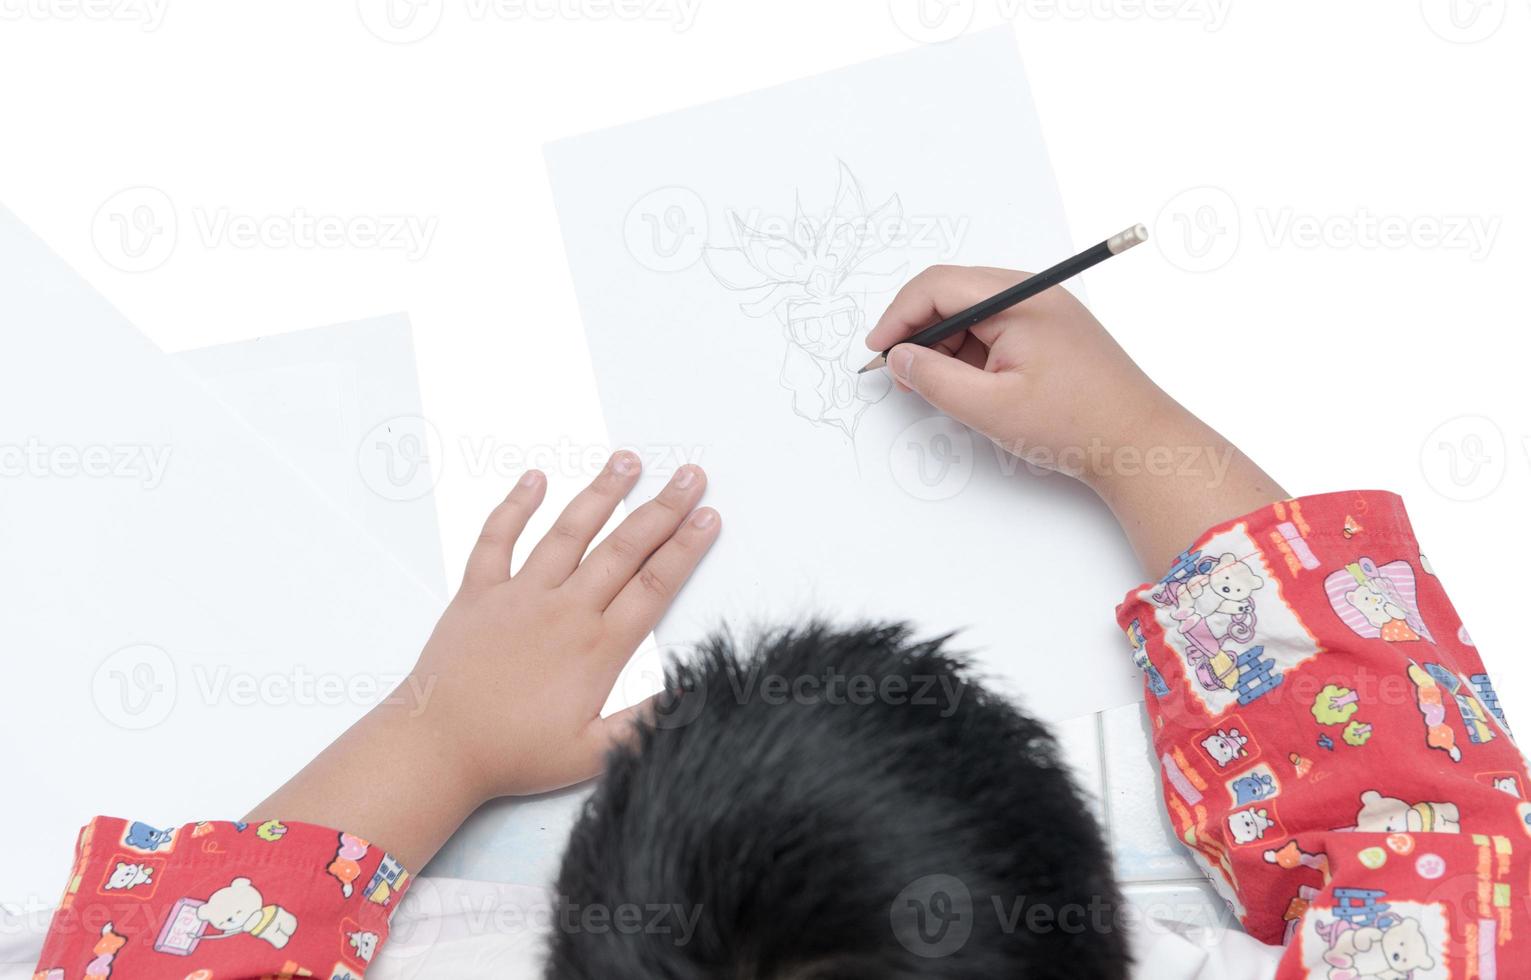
<point>1378,601</point>
<point>125,876</point>
<point>239,907</point>
<point>1375,953</point>
<point>1248,826</point>
<point>143,837</point>
<point>1257,784</point>
<point>1387,815</point>
<point>1225,746</point>
<point>364,944</point>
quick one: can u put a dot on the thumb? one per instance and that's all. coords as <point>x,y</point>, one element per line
<point>968,394</point>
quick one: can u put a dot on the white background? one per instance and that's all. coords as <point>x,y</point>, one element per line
<point>1235,129</point>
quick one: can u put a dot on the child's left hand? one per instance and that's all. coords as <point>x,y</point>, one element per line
<point>506,698</point>
<point>519,666</point>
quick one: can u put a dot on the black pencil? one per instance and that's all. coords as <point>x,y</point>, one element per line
<point>984,309</point>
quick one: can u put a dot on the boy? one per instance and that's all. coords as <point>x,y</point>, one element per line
<point>1328,741</point>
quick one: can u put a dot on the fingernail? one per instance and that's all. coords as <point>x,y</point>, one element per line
<point>900,361</point>
<point>624,463</point>
<point>684,477</point>
<point>705,518</point>
<point>530,479</point>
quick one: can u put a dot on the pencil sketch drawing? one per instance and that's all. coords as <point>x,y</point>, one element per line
<point>812,274</point>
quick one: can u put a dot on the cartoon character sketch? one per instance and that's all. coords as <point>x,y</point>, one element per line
<point>1378,602</point>
<point>1248,826</point>
<point>1252,787</point>
<point>1212,601</point>
<point>1225,746</point>
<point>1390,950</point>
<point>125,876</point>
<point>1387,815</point>
<point>364,943</point>
<point>142,837</point>
<point>239,907</point>
<point>105,950</point>
<point>812,277</point>
<point>346,866</point>
<point>1431,702</point>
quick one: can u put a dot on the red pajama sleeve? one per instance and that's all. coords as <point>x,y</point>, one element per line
<point>1331,748</point>
<point>221,901</point>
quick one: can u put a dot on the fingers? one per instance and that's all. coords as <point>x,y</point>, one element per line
<point>489,561</point>
<point>558,553</point>
<point>646,596</point>
<point>617,559</point>
<point>934,294</point>
<point>969,394</point>
<point>973,351</point>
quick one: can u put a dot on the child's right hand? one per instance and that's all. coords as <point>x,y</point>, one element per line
<point>1043,379</point>
<point>1047,383</point>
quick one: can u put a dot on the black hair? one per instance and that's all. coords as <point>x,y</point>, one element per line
<point>835,803</point>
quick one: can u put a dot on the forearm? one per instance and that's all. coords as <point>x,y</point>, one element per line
<point>395,778</point>
<point>1184,479</point>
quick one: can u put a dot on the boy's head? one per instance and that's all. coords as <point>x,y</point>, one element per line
<point>836,804</point>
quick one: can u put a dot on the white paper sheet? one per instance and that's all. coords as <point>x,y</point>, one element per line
<point>727,271</point>
<point>185,620</point>
<point>329,399</point>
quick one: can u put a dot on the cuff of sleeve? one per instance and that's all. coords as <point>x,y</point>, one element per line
<point>275,894</point>
<point>1290,538</point>
<point>1292,527</point>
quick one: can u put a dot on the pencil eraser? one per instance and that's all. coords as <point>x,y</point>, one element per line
<point>1136,235</point>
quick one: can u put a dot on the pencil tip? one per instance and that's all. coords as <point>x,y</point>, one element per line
<point>873,364</point>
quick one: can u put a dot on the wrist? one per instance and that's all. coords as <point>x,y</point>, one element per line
<point>395,744</point>
<point>1161,443</point>
<point>424,731</point>
<point>1173,479</point>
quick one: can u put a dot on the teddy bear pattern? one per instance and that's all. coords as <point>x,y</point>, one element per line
<point>1388,814</point>
<point>1381,612</point>
<point>1248,826</point>
<point>1224,746</point>
<point>1375,953</point>
<point>126,875</point>
<point>1218,596</point>
<point>239,907</point>
<point>1251,788</point>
